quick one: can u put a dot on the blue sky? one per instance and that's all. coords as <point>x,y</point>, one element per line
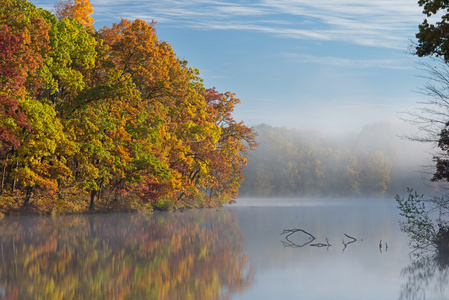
<point>329,65</point>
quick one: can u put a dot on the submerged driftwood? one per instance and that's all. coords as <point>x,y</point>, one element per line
<point>289,243</point>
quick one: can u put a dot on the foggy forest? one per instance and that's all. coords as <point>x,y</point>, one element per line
<point>377,161</point>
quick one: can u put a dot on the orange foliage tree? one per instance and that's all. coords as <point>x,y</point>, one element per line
<point>80,10</point>
<point>111,116</point>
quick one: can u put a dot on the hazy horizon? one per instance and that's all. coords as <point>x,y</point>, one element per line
<point>292,162</point>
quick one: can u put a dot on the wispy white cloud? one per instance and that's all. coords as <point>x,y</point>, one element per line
<point>385,63</point>
<point>375,23</point>
<point>380,23</point>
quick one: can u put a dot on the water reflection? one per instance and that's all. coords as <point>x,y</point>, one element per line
<point>426,278</point>
<point>288,267</point>
<point>192,255</point>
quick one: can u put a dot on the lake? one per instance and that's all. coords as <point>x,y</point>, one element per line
<point>330,249</point>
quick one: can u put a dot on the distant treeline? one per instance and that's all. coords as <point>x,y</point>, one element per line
<point>292,162</point>
<point>108,118</point>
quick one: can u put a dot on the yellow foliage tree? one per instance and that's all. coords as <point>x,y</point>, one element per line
<point>80,10</point>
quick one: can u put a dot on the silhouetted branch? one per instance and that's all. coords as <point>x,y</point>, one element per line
<point>353,240</point>
<point>292,231</point>
<point>350,237</point>
<point>289,243</point>
<point>320,245</point>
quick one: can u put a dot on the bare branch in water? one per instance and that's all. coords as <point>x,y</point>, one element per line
<point>292,231</point>
<point>320,245</point>
<point>289,243</point>
<point>353,240</point>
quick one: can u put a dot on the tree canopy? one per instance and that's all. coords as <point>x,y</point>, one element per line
<point>108,118</point>
<point>433,119</point>
<point>432,37</point>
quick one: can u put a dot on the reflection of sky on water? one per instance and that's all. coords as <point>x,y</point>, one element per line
<point>361,271</point>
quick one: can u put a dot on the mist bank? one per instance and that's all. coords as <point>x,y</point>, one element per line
<point>376,161</point>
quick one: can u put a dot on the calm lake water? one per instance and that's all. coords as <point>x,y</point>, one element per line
<point>332,251</point>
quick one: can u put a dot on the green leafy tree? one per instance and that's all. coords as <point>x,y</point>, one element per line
<point>431,37</point>
<point>425,233</point>
<point>433,120</point>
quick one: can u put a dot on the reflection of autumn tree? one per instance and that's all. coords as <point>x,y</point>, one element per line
<point>427,278</point>
<point>194,255</point>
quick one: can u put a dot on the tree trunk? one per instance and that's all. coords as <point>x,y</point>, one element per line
<point>15,178</point>
<point>30,190</point>
<point>93,195</point>
<point>3,174</point>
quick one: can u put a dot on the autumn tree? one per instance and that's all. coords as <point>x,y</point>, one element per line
<point>80,10</point>
<point>109,115</point>
<point>200,138</point>
<point>31,162</point>
<point>228,159</point>
<point>11,87</point>
<point>152,67</point>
